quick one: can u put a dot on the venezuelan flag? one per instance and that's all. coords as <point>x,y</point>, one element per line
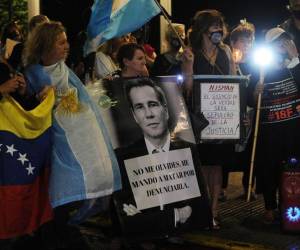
<point>25,151</point>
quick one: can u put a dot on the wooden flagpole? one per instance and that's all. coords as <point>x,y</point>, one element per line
<point>261,81</point>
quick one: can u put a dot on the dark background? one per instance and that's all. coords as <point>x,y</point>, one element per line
<point>265,14</point>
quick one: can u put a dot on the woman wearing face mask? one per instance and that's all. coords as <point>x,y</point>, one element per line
<point>169,63</point>
<point>209,56</point>
<point>212,56</point>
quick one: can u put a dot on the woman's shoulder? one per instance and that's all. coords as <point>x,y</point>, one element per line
<point>226,49</point>
<point>36,75</point>
<point>224,46</point>
<point>33,68</point>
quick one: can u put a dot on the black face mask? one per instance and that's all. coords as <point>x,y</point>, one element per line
<point>216,37</point>
<point>296,14</point>
<point>175,43</point>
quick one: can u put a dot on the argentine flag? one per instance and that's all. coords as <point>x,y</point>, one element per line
<point>114,18</point>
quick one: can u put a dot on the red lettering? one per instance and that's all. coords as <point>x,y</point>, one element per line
<point>289,112</point>
<point>283,114</point>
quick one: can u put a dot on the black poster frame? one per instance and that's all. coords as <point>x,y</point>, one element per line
<point>196,103</point>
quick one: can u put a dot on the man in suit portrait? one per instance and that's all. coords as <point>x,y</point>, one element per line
<point>149,109</point>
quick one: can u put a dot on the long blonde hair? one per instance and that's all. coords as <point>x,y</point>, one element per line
<point>41,41</point>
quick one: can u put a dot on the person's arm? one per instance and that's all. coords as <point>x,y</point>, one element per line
<point>9,86</point>
<point>187,70</point>
<point>294,64</point>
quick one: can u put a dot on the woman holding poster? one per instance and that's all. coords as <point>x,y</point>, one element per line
<point>163,190</point>
<point>158,184</point>
<point>209,56</point>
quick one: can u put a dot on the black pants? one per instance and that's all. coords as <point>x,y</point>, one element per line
<point>240,161</point>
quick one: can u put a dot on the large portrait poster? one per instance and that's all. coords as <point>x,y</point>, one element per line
<point>222,101</point>
<point>151,132</point>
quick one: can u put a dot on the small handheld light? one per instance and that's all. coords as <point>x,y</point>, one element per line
<point>179,79</point>
<point>263,56</point>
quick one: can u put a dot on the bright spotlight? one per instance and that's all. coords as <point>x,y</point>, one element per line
<point>179,78</point>
<point>263,56</point>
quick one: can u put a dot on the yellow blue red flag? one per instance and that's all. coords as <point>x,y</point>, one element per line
<point>25,152</point>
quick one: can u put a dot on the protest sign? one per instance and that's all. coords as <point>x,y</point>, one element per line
<point>162,178</point>
<point>222,101</point>
<point>220,104</point>
<point>281,102</point>
<point>158,160</point>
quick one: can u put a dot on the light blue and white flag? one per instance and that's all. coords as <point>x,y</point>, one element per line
<point>83,162</point>
<point>114,18</point>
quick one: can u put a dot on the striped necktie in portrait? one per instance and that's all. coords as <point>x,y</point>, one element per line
<point>154,151</point>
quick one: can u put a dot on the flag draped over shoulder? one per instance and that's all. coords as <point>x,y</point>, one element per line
<point>25,151</point>
<point>83,163</point>
<point>114,18</point>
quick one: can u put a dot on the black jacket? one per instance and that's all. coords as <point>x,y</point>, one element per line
<point>153,222</point>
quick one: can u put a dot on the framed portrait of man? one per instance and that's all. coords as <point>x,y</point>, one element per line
<point>158,158</point>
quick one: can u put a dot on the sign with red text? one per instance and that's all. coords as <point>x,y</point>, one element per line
<point>281,101</point>
<point>162,178</point>
<point>220,104</point>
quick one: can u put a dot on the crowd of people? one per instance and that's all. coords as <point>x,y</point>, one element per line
<point>85,164</point>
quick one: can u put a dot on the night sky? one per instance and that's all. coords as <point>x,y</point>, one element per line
<point>264,13</point>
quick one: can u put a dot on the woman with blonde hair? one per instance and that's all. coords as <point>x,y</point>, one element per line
<point>83,165</point>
